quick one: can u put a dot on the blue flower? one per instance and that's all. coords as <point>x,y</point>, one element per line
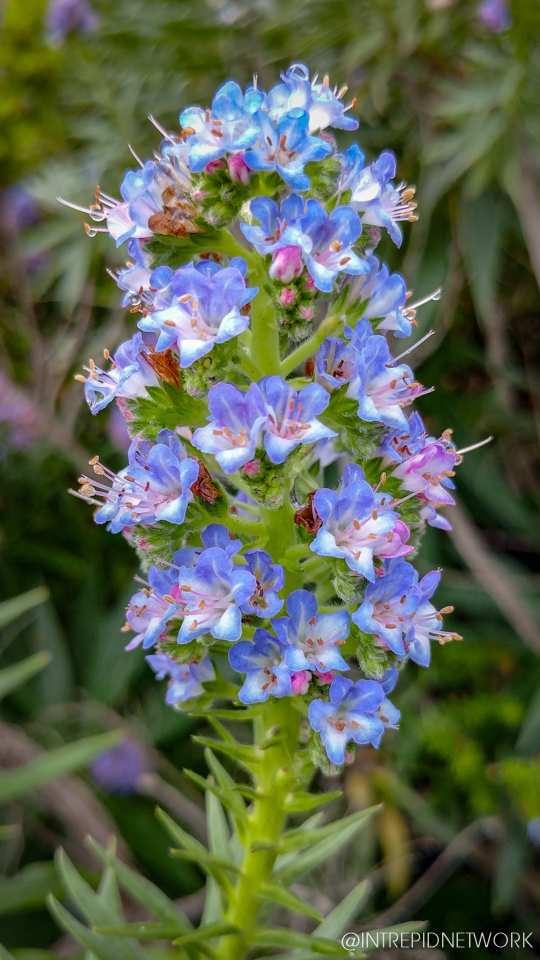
<point>69,16</point>
<point>263,660</point>
<point>128,376</point>
<point>350,715</point>
<point>382,387</point>
<point>387,712</point>
<point>269,579</point>
<point>210,596</point>
<point>292,417</point>
<point>313,638</point>
<point>234,430</point>
<point>206,309</point>
<point>286,147</point>
<point>398,444</point>
<point>322,102</point>
<point>380,202</point>
<point>185,679</point>
<point>326,241</point>
<point>273,221</point>
<point>389,604</point>
<point>425,623</point>
<point>155,485</point>
<point>148,612</point>
<point>227,127</point>
<point>384,297</point>
<point>217,535</point>
<point>336,363</point>
<point>356,527</point>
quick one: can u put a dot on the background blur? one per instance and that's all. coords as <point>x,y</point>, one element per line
<point>452,87</point>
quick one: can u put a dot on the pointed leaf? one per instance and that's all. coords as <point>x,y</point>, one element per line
<point>339,919</point>
<point>54,764</point>
<point>142,930</point>
<point>11,609</point>
<point>296,839</point>
<point>274,893</point>
<point>322,850</point>
<point>241,754</point>
<point>12,677</point>
<point>102,947</point>
<point>289,938</point>
<point>28,888</point>
<point>304,802</point>
<point>208,932</point>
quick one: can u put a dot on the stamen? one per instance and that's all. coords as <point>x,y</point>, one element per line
<point>435,295</point>
<point>155,123</point>
<point>474,446</point>
<point>423,339</point>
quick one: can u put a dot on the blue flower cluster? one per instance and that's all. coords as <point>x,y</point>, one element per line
<point>260,358</point>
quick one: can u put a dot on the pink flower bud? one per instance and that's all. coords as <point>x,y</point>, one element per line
<point>287,296</point>
<point>238,168</point>
<point>300,681</point>
<point>310,283</point>
<point>325,677</point>
<point>214,165</point>
<point>306,313</point>
<point>286,265</point>
<point>252,468</point>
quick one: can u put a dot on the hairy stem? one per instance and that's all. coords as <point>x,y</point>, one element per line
<point>266,822</point>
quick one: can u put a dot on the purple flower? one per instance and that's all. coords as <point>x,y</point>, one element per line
<point>495,15</point>
<point>318,99</point>
<point>428,474</point>
<point>356,526</point>
<point>382,386</point>
<point>383,296</point>
<point>388,606</point>
<point>228,127</point>
<point>350,715</point>
<point>263,660</point>
<point>128,376</point>
<point>150,609</point>
<point>119,770</point>
<point>374,195</point>
<point>185,679</point>
<point>269,579</point>
<point>336,363</point>
<point>313,638</point>
<point>206,309</point>
<point>234,430</point>
<point>326,241</point>
<point>398,444</point>
<point>211,595</point>
<point>155,486</point>
<point>69,16</point>
<point>286,264</point>
<point>292,417</point>
<point>273,221</point>
<point>286,147</point>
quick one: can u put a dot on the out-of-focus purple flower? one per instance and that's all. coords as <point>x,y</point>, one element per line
<point>350,715</point>
<point>119,770</point>
<point>292,417</point>
<point>323,103</point>
<point>286,147</point>
<point>155,486</point>
<point>234,430</point>
<point>313,638</point>
<point>18,209</point>
<point>356,526</point>
<point>495,15</point>
<point>185,679</point>
<point>69,16</point>
<point>19,421</point>
<point>128,376</point>
<point>263,662</point>
<point>326,241</point>
<point>206,309</point>
<point>269,578</point>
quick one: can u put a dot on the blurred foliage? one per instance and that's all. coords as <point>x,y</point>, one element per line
<point>458,104</point>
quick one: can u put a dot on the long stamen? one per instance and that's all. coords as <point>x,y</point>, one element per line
<point>435,295</point>
<point>410,349</point>
<point>475,446</point>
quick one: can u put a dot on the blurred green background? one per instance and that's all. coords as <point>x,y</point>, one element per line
<point>452,87</point>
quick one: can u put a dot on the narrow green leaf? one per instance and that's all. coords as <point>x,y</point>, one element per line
<point>5,954</point>
<point>12,677</point>
<point>289,938</point>
<point>142,931</point>
<point>142,890</point>
<point>208,932</point>
<point>321,851</point>
<point>296,839</point>
<point>304,802</point>
<point>241,754</point>
<point>206,861</point>
<point>94,908</point>
<point>227,784</point>
<point>28,888</point>
<point>244,713</point>
<point>218,831</point>
<point>181,836</point>
<point>14,608</point>
<point>274,893</point>
<point>55,763</point>
<point>100,946</point>
<point>339,919</point>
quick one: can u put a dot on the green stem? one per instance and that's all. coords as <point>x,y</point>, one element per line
<point>265,824</point>
<point>329,325</point>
